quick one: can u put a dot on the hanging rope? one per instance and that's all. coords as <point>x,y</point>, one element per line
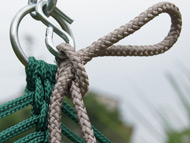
<point>40,83</point>
<point>72,80</point>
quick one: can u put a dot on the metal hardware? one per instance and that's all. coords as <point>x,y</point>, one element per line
<point>47,22</point>
<point>14,33</point>
<point>49,43</point>
<point>15,25</point>
<point>63,15</point>
<point>50,11</point>
<point>51,4</point>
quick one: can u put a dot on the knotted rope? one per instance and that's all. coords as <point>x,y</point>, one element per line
<point>72,80</point>
<point>40,77</point>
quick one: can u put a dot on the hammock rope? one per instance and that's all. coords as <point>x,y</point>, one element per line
<point>47,83</point>
<point>72,79</point>
<point>40,82</point>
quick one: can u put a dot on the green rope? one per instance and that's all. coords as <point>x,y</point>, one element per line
<point>15,105</point>
<point>40,82</point>
<point>37,140</point>
<point>17,129</point>
<point>30,137</point>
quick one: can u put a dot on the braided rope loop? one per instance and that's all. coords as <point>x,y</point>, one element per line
<point>72,80</point>
<point>104,46</point>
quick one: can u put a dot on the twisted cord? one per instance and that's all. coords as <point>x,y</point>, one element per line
<point>72,79</point>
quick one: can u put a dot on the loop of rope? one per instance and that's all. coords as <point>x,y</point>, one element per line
<point>72,79</point>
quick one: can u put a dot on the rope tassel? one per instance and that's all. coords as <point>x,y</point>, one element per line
<point>72,80</point>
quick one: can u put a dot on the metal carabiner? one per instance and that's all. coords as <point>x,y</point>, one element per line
<point>15,25</point>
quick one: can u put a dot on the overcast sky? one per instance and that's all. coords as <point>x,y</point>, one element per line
<point>122,78</point>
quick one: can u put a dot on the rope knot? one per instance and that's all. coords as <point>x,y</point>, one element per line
<point>73,75</point>
<point>38,69</point>
<point>70,68</point>
<point>40,80</point>
<point>72,81</point>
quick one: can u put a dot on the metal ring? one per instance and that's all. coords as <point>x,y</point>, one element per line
<point>14,31</point>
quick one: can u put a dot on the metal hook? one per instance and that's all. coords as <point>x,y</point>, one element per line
<point>47,22</point>
<point>52,7</point>
<point>49,43</point>
<point>14,31</point>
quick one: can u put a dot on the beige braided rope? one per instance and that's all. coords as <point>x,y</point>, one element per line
<point>72,79</point>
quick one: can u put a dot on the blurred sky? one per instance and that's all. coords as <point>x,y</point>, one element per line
<point>120,78</point>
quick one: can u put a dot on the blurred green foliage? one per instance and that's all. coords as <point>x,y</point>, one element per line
<point>179,137</point>
<point>183,95</point>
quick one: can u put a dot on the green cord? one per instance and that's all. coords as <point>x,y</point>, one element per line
<point>30,137</point>
<point>15,105</point>
<point>40,82</point>
<point>18,128</point>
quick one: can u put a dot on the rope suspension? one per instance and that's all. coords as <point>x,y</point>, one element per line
<point>47,84</point>
<point>72,80</point>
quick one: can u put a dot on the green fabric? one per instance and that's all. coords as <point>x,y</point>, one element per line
<point>40,82</point>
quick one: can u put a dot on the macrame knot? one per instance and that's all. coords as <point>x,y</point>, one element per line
<point>39,69</point>
<point>70,68</point>
<point>40,80</point>
<point>71,81</point>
